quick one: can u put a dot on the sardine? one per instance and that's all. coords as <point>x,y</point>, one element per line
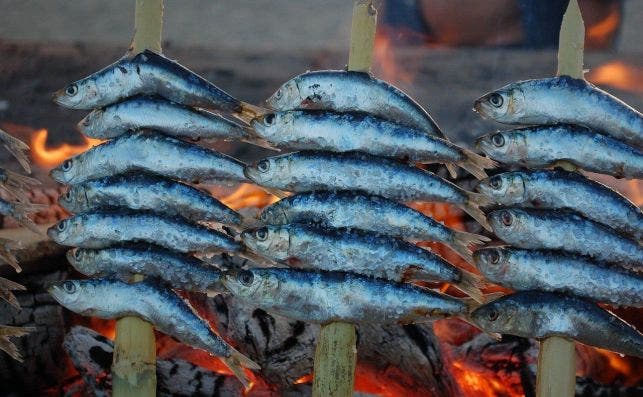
<point>535,314</point>
<point>19,211</point>
<point>563,99</point>
<point>544,146</point>
<point>356,251</point>
<point>17,148</point>
<point>7,345</point>
<point>323,297</point>
<point>154,153</point>
<point>309,171</point>
<point>345,132</point>
<point>554,271</point>
<point>145,73</point>
<point>103,229</point>
<point>147,192</point>
<point>171,315</point>
<point>16,185</point>
<point>567,231</point>
<point>347,91</point>
<point>160,115</point>
<point>376,214</point>
<point>561,189</point>
<point>177,270</point>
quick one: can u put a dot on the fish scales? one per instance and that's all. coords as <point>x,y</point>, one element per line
<point>544,146</point>
<point>535,314</point>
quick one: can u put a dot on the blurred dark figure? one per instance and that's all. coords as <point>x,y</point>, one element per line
<point>516,23</point>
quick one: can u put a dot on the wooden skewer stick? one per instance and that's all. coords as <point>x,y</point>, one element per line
<point>336,354</point>
<point>556,375</point>
<point>134,362</point>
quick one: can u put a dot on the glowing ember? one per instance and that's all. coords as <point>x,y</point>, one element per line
<point>308,378</point>
<point>248,195</point>
<point>51,157</point>
<point>385,64</point>
<point>601,33</point>
<point>618,74</point>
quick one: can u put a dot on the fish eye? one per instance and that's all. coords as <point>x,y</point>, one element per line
<point>496,100</point>
<point>71,90</point>
<point>62,225</point>
<point>493,315</point>
<point>278,94</point>
<point>506,218</point>
<point>69,287</point>
<point>261,234</point>
<point>498,140</point>
<point>264,216</point>
<point>494,256</point>
<point>68,195</point>
<point>269,119</point>
<point>78,255</point>
<point>246,277</point>
<point>67,165</point>
<point>495,182</point>
<point>263,166</point>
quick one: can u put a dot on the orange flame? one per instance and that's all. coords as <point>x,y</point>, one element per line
<point>618,74</point>
<point>51,157</point>
<point>248,195</point>
<point>601,33</point>
<point>385,63</point>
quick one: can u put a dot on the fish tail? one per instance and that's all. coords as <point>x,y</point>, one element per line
<point>20,211</point>
<point>453,170</point>
<point>7,330</point>
<point>471,285</point>
<point>462,241</point>
<point>17,148</point>
<point>472,207</point>
<point>18,182</point>
<point>275,192</point>
<point>476,164</point>
<point>6,286</point>
<point>9,258</point>
<point>236,362</point>
<point>250,112</point>
<point>8,347</point>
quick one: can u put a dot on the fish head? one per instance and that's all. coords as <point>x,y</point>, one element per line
<point>74,199</point>
<point>84,260</point>
<point>272,124</point>
<point>507,221</point>
<point>75,295</point>
<point>265,170</point>
<point>500,145</point>
<point>274,215</point>
<point>93,125</point>
<point>286,97</point>
<point>250,283</point>
<point>501,316</point>
<point>505,188</point>
<point>78,94</point>
<point>68,171</point>
<point>505,105</point>
<point>269,241</point>
<point>65,230</point>
<point>492,261</point>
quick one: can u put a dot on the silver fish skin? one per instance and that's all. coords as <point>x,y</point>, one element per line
<point>567,231</point>
<point>147,192</point>
<point>106,228</point>
<point>345,91</point>
<point>160,115</point>
<point>535,314</point>
<point>556,189</point>
<point>344,132</point>
<point>553,271</point>
<point>323,297</point>
<point>145,73</point>
<point>544,146</point>
<point>177,270</point>
<point>376,214</point>
<point>19,211</point>
<point>154,153</point>
<point>563,100</point>
<point>173,316</point>
<point>311,170</point>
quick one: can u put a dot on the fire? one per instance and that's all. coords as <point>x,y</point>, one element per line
<point>618,74</point>
<point>385,63</point>
<point>308,378</point>
<point>248,195</point>
<point>51,157</point>
<point>601,33</point>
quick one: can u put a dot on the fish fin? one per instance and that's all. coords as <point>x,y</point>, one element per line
<point>6,286</point>
<point>261,142</point>
<point>453,170</point>
<point>462,241</point>
<point>19,184</point>
<point>7,330</point>
<point>256,258</point>
<point>275,192</point>
<point>470,284</point>
<point>236,363</point>
<point>9,258</point>
<point>8,347</point>
<point>20,211</point>
<point>472,207</point>
<point>250,112</point>
<point>17,148</point>
<point>476,164</point>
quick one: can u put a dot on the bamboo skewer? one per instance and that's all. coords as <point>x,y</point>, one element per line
<point>134,362</point>
<point>336,354</point>
<point>556,376</point>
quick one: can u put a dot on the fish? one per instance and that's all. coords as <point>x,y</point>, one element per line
<point>553,271</point>
<point>170,314</point>
<point>6,345</point>
<point>16,185</point>
<point>19,211</point>
<point>146,112</point>
<point>376,214</point>
<point>563,99</point>
<point>17,148</point>
<point>6,286</point>
<point>150,152</point>
<point>545,146</point>
<point>557,189</point>
<point>540,315</point>
<point>176,270</point>
<point>146,73</point>
<point>6,246</point>
<point>312,170</point>
<point>567,231</point>
<point>349,91</point>
<point>356,251</point>
<point>323,297</point>
<point>345,132</point>
<point>102,229</point>
<point>148,192</point>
